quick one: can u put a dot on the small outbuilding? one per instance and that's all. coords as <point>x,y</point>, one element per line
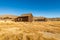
<point>39,19</point>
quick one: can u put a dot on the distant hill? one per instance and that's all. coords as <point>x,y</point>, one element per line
<point>8,15</point>
<point>53,19</point>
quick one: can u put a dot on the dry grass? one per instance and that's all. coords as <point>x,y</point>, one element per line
<point>30,31</point>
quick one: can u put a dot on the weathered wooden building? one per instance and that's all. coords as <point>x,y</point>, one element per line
<point>24,18</point>
<point>39,19</point>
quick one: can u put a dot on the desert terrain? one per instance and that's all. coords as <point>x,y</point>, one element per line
<point>49,30</point>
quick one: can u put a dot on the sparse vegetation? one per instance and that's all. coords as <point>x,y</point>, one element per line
<point>30,30</point>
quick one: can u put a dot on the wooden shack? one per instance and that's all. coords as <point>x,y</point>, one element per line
<point>24,18</point>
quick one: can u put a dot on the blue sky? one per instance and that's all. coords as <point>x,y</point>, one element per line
<point>46,8</point>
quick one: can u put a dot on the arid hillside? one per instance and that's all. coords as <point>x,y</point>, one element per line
<point>49,30</point>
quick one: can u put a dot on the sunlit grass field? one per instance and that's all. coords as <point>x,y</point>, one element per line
<point>30,30</point>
